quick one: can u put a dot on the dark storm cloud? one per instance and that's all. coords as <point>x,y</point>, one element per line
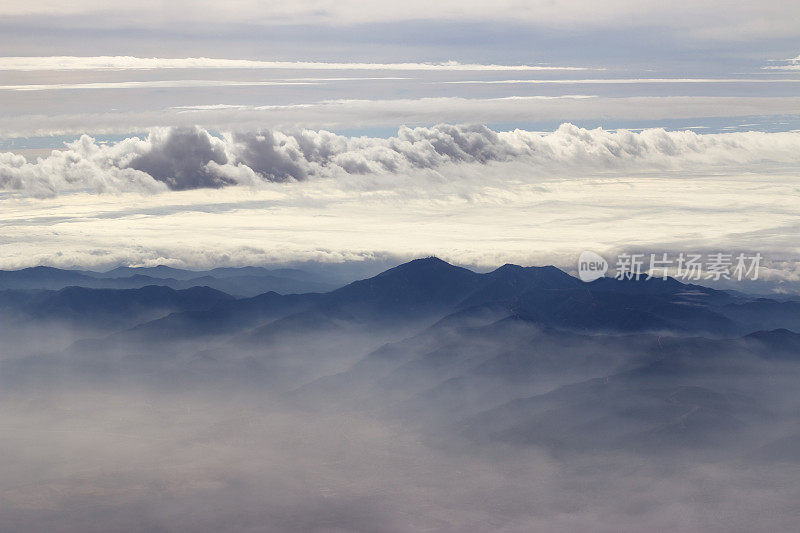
<point>262,153</point>
<point>180,159</point>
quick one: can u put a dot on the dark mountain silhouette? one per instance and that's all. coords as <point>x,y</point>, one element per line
<point>426,291</point>
<point>509,281</point>
<point>43,277</point>
<point>223,318</point>
<point>108,307</point>
<point>585,309</point>
<point>246,281</point>
<point>163,271</point>
<point>159,271</point>
<point>777,343</point>
<point>418,288</point>
<point>763,313</point>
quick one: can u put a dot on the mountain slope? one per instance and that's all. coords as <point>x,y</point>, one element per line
<point>102,308</point>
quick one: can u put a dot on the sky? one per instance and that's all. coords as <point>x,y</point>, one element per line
<point>203,134</point>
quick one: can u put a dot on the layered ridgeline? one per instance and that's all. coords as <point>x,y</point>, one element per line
<point>246,281</point>
<point>417,293</point>
<point>520,355</point>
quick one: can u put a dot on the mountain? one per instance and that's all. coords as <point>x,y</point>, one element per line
<point>159,271</point>
<point>245,281</point>
<point>425,291</point>
<point>223,318</point>
<point>619,413</point>
<point>763,313</point>
<point>416,288</point>
<point>690,393</point>
<point>509,281</point>
<point>520,356</point>
<point>42,277</point>
<point>107,307</point>
<point>777,343</point>
<point>587,309</point>
<point>163,271</point>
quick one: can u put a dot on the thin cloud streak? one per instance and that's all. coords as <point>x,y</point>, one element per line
<point>163,84</point>
<point>140,63</point>
<point>793,63</point>
<point>358,113</point>
<point>207,107</point>
<point>620,81</point>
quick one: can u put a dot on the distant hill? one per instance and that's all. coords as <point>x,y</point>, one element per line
<point>243,282</point>
<point>427,290</point>
<point>102,308</point>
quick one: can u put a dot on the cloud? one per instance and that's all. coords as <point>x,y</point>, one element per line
<point>792,63</point>
<point>140,63</point>
<point>773,18</point>
<point>191,158</point>
<point>85,165</point>
<point>625,81</point>
<point>181,157</point>
<point>232,460</point>
<point>357,113</point>
<point>281,158</point>
<point>164,84</point>
<point>471,195</point>
<point>204,435</point>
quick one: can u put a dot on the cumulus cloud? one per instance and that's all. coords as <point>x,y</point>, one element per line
<point>191,158</point>
<point>180,158</point>
<point>84,165</point>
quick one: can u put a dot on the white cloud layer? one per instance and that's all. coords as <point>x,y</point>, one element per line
<point>147,63</point>
<point>191,158</point>
<point>470,213</point>
<point>166,84</point>
<point>466,193</point>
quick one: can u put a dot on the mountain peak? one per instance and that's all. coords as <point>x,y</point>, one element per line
<point>431,260</point>
<point>425,265</point>
<point>510,267</point>
<point>781,343</point>
<point>542,277</point>
<point>418,286</point>
<point>42,268</point>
